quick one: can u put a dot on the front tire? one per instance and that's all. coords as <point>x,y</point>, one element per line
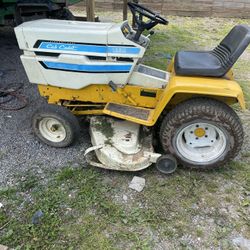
<point>202,133</point>
<point>55,126</point>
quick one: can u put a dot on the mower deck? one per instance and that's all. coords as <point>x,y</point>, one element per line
<point>120,145</point>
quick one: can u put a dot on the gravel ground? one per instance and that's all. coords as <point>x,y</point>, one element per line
<point>19,149</point>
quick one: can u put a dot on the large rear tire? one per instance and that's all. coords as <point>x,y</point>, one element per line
<point>55,126</point>
<point>202,133</point>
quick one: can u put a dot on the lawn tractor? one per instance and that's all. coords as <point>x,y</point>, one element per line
<point>94,69</point>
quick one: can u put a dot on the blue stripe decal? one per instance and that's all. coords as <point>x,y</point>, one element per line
<point>88,68</point>
<point>89,48</point>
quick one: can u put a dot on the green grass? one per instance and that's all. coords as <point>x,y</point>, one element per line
<point>78,212</point>
<point>84,209</point>
<point>81,211</point>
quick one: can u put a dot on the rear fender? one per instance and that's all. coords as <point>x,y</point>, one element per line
<point>181,88</point>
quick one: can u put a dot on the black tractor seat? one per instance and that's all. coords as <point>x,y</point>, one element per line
<point>215,63</point>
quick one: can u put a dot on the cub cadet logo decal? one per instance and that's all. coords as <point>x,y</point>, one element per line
<point>89,48</point>
<point>60,47</point>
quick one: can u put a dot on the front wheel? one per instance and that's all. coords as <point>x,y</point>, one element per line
<point>55,126</point>
<point>202,133</point>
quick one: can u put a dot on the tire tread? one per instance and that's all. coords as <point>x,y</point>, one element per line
<point>63,114</point>
<point>207,108</point>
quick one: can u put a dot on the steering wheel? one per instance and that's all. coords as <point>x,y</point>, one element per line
<point>138,12</point>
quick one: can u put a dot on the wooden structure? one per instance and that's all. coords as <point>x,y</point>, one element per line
<point>202,8</point>
<point>90,7</point>
<point>125,10</point>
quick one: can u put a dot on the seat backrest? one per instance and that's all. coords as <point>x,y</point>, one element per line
<point>233,45</point>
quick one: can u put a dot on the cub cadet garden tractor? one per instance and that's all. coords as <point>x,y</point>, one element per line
<point>94,69</point>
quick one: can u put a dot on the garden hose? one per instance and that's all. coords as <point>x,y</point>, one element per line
<point>11,94</point>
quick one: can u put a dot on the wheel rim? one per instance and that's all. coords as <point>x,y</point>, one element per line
<point>201,142</point>
<point>52,129</point>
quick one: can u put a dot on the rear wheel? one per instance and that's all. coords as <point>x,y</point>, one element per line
<point>202,133</point>
<point>56,126</point>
